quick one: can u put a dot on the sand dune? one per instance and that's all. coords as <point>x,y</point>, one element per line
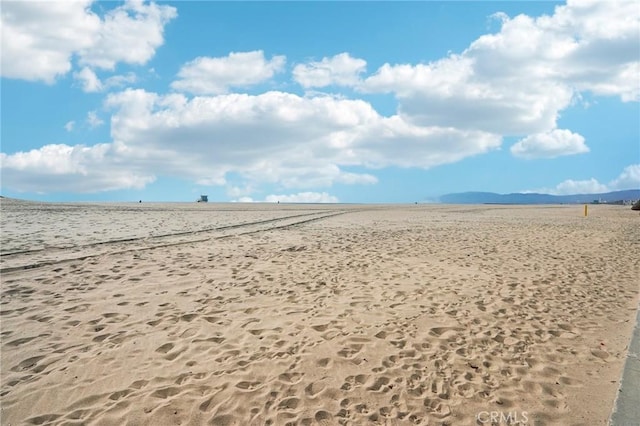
<point>264,314</point>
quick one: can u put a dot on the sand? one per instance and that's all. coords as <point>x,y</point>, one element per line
<point>234,314</point>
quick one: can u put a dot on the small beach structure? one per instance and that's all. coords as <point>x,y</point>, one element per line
<point>203,199</point>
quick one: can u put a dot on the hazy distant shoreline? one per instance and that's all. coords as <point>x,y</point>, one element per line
<point>625,196</point>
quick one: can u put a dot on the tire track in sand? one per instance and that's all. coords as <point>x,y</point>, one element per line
<point>19,261</point>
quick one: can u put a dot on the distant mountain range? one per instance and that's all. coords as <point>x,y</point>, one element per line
<point>531,198</point>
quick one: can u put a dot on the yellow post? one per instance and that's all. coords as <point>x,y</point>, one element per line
<point>585,210</point>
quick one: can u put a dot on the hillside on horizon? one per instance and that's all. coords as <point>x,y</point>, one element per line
<point>535,198</point>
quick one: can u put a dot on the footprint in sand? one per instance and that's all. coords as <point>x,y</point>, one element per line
<point>45,419</point>
<point>323,417</point>
<point>165,348</point>
<point>119,394</point>
<point>349,351</point>
<point>381,334</point>
<point>248,386</point>
<point>165,393</point>
<point>101,337</point>
<point>568,381</point>
<point>445,332</point>
<point>78,308</point>
<point>380,385</point>
<point>188,317</point>
<point>22,341</point>
<point>437,408</point>
<point>354,381</point>
<point>324,362</point>
<point>320,327</point>
<point>139,384</point>
<point>313,389</point>
<point>223,420</point>
<point>27,364</point>
<point>289,404</point>
<point>598,353</point>
<point>291,378</point>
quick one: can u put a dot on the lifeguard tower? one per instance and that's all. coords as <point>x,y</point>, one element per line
<point>203,199</point>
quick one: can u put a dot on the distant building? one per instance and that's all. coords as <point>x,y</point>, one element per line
<point>204,199</point>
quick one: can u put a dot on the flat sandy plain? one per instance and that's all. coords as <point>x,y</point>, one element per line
<point>255,314</point>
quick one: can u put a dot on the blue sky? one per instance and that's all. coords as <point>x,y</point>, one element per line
<point>318,101</point>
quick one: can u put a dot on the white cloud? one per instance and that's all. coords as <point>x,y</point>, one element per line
<point>120,80</point>
<point>39,39</point>
<point>273,138</point>
<point>243,200</point>
<point>281,137</point>
<point>236,191</point>
<point>130,33</point>
<point>392,141</point>
<point>587,45</point>
<point>451,93</point>
<point>588,186</point>
<point>90,82</point>
<point>341,69</point>
<point>88,79</point>
<point>629,178</point>
<point>60,168</point>
<point>516,82</point>
<point>550,145</point>
<point>69,126</point>
<point>302,197</point>
<point>205,75</point>
<point>93,120</point>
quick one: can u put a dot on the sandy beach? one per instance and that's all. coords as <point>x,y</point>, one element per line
<point>277,314</point>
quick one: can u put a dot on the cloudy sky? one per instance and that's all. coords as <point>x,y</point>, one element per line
<point>318,101</point>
